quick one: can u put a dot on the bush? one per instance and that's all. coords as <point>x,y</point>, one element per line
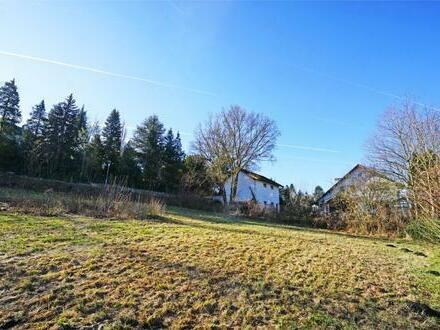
<point>97,192</point>
<point>112,202</point>
<point>425,229</point>
<point>154,208</point>
<point>369,209</point>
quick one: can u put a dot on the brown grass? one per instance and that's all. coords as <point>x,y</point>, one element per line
<point>191,270</point>
<point>113,202</point>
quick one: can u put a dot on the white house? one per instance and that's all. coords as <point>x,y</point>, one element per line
<point>357,175</point>
<point>253,186</point>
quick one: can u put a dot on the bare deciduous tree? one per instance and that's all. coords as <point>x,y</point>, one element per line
<point>235,139</point>
<point>406,147</point>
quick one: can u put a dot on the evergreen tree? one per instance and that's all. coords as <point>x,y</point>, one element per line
<point>10,114</point>
<point>317,194</point>
<point>172,169</point>
<point>196,178</point>
<point>112,141</point>
<point>94,159</point>
<point>148,142</point>
<point>33,134</point>
<point>61,137</point>
<point>83,137</point>
<point>35,123</point>
<point>129,168</point>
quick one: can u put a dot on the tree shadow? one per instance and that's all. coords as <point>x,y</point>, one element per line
<point>209,219</point>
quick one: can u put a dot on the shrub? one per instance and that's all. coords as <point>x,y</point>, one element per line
<point>117,189</point>
<point>112,202</point>
<point>154,208</point>
<point>251,209</point>
<point>425,229</point>
<point>370,209</point>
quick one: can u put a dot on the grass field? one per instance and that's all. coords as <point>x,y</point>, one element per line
<point>191,269</point>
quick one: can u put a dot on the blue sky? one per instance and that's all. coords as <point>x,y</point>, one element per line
<point>324,71</point>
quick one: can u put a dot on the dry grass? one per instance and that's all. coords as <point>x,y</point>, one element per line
<point>201,270</point>
<point>113,202</point>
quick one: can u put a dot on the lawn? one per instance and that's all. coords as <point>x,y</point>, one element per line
<point>191,269</point>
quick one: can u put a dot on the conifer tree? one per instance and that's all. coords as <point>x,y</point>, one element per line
<point>10,114</point>
<point>129,167</point>
<point>35,123</point>
<point>61,136</point>
<point>83,137</point>
<point>33,134</point>
<point>112,142</point>
<point>94,159</point>
<point>196,178</point>
<point>148,142</point>
<point>173,157</point>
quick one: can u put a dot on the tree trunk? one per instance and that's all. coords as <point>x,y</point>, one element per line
<point>234,183</point>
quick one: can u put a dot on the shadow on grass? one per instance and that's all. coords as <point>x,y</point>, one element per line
<point>223,219</point>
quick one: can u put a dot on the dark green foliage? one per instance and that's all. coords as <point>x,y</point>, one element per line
<point>62,145</point>
<point>173,157</point>
<point>33,137</point>
<point>61,138</point>
<point>196,178</point>
<point>93,169</point>
<point>10,114</point>
<point>317,194</point>
<point>35,123</point>
<point>10,153</point>
<point>111,142</point>
<point>82,144</point>
<point>296,206</point>
<point>129,168</point>
<point>148,142</point>
<point>10,133</point>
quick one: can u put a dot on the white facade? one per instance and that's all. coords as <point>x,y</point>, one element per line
<point>252,186</point>
<point>357,175</point>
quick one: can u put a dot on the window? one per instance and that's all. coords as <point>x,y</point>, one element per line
<point>265,185</point>
<point>265,202</point>
<point>271,187</point>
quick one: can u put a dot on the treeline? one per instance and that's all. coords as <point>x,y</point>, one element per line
<point>61,143</point>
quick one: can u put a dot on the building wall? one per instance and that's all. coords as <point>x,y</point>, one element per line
<point>265,193</point>
<point>358,175</point>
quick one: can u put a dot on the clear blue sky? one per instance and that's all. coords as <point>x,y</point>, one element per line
<point>324,71</point>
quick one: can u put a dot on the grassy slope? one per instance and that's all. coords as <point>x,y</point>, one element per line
<point>191,269</point>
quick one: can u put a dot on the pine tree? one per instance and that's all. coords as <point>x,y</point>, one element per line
<point>172,169</point>
<point>148,142</point>
<point>196,178</point>
<point>83,137</point>
<point>317,194</point>
<point>94,159</point>
<point>129,168</point>
<point>10,114</point>
<point>33,133</point>
<point>61,136</point>
<point>35,123</point>
<point>112,142</point>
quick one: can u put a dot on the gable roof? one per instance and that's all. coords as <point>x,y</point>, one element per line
<point>261,178</point>
<point>358,166</point>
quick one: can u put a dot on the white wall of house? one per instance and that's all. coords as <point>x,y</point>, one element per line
<point>266,194</point>
<point>358,175</point>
